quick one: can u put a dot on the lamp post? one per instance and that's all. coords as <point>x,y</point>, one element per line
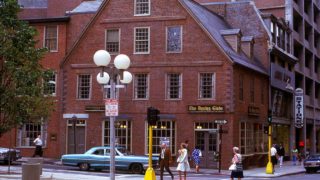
<point>121,62</point>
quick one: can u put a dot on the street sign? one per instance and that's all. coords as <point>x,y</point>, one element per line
<point>220,121</point>
<point>111,107</point>
<point>299,108</point>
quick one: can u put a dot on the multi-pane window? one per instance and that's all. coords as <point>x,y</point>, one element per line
<point>163,132</point>
<point>252,138</point>
<point>174,39</point>
<point>141,43</point>
<point>206,89</point>
<point>174,86</point>
<point>113,41</point>
<point>50,85</point>
<point>51,38</point>
<point>141,86</point>
<point>122,133</point>
<point>29,132</point>
<point>142,7</point>
<point>84,86</point>
<point>252,90</point>
<point>241,87</point>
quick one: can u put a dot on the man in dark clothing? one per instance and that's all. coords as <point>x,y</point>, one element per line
<point>164,160</point>
<point>281,153</point>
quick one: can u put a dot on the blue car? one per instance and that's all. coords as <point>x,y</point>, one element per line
<point>98,158</point>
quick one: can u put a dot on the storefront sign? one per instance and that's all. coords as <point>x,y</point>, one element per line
<point>253,111</point>
<point>206,109</point>
<point>111,107</point>
<point>94,108</point>
<point>299,108</point>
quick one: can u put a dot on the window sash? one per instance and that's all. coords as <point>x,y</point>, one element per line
<point>141,86</point>
<point>113,41</point>
<point>84,86</point>
<point>142,7</point>
<point>174,86</point>
<point>122,133</point>
<point>142,40</point>
<point>206,86</point>
<point>51,38</point>
<point>50,85</point>
<point>29,132</point>
<point>163,129</point>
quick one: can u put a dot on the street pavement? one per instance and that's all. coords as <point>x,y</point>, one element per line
<point>62,174</point>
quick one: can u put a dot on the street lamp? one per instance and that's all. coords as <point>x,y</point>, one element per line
<point>121,62</point>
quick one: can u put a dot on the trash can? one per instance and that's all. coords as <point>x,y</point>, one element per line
<point>30,171</point>
<point>36,160</point>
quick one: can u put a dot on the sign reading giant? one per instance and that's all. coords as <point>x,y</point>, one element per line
<point>299,108</point>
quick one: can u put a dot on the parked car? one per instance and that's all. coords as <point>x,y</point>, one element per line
<point>98,158</point>
<point>4,155</point>
<point>312,163</point>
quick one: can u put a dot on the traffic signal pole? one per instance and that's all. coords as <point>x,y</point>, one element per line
<point>150,174</point>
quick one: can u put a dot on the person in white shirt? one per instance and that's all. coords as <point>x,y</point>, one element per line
<point>273,153</point>
<point>38,143</point>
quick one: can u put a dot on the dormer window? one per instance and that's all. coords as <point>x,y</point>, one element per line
<point>141,7</point>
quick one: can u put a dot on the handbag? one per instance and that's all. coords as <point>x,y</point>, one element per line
<point>233,167</point>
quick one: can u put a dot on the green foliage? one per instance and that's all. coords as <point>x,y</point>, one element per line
<point>21,74</point>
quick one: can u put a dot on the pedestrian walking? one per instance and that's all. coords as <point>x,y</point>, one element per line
<point>196,155</point>
<point>38,143</point>
<point>281,153</point>
<point>236,166</point>
<point>273,153</point>
<point>294,155</point>
<point>183,164</point>
<point>164,160</point>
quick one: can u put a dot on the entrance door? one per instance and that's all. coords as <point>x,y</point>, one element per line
<point>207,142</point>
<point>79,136</point>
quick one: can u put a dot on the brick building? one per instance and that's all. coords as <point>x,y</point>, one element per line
<point>195,63</point>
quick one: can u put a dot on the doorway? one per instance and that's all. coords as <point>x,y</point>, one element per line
<point>207,142</point>
<point>78,136</point>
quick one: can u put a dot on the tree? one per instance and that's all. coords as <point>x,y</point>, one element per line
<point>21,74</point>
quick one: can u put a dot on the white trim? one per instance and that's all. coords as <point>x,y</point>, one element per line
<point>77,88</point>
<point>135,7</point>
<point>166,86</point>
<point>148,87</point>
<point>105,40</point>
<point>44,37</point>
<point>213,85</point>
<point>134,40</point>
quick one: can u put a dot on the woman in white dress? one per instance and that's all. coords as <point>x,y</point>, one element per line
<point>183,164</point>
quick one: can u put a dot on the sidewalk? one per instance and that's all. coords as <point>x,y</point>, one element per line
<point>50,174</point>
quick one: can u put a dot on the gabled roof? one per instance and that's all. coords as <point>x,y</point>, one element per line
<point>86,7</point>
<point>214,24</point>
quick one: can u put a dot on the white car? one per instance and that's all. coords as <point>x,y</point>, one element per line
<point>5,156</point>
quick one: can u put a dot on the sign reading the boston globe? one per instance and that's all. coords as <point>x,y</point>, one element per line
<point>299,108</point>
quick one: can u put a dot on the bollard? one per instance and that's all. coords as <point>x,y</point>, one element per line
<point>36,160</point>
<point>31,171</point>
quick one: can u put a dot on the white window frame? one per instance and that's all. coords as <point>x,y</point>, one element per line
<point>213,86</point>
<point>134,44</point>
<point>21,137</point>
<point>173,145</point>
<point>134,87</point>
<point>124,123</point>
<point>44,38</point>
<point>181,39</point>
<point>135,9</point>
<point>167,87</point>
<point>55,86</point>
<point>90,88</point>
<point>106,35</point>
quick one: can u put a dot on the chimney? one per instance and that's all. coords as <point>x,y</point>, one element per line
<point>233,37</point>
<point>247,45</point>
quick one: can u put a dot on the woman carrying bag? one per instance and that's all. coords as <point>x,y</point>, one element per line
<point>236,166</point>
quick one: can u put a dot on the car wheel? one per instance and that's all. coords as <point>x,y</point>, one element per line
<point>308,170</point>
<point>136,168</point>
<point>98,169</point>
<point>84,166</point>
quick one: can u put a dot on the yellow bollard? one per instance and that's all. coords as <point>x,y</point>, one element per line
<point>269,168</point>
<point>150,174</point>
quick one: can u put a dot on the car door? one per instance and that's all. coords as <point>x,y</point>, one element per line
<point>122,162</point>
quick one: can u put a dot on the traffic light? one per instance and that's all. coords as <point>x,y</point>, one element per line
<point>153,116</point>
<point>266,129</point>
<point>269,117</point>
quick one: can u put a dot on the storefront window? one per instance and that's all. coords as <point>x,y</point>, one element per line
<point>122,133</point>
<point>252,138</point>
<point>281,134</point>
